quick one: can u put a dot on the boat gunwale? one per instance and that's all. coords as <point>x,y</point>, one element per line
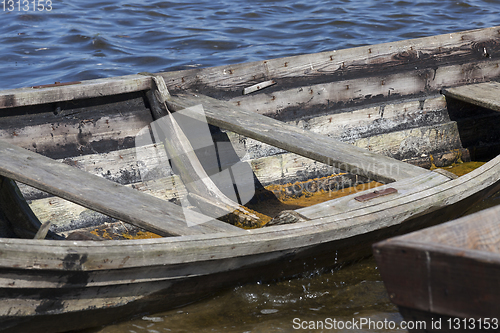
<point>483,256</point>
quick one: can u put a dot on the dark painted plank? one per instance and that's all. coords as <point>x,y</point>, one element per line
<point>291,138</point>
<point>99,194</point>
<point>486,95</point>
<point>438,278</point>
<point>450,269</point>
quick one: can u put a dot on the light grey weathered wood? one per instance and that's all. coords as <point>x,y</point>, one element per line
<point>486,95</point>
<point>258,86</point>
<point>291,138</point>
<point>88,89</point>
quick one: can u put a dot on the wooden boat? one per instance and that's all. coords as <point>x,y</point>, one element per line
<point>446,276</point>
<point>303,123</point>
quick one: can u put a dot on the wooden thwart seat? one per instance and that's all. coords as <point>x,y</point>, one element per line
<point>486,95</point>
<point>296,140</point>
<point>104,196</point>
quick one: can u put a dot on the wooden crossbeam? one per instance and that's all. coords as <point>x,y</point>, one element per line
<point>486,95</point>
<point>104,196</point>
<point>291,138</point>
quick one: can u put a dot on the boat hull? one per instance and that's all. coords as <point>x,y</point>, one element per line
<point>128,292</point>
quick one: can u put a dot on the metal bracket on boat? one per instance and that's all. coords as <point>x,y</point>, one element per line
<point>258,86</point>
<point>375,194</point>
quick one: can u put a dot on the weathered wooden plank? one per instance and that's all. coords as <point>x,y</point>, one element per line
<point>75,130</point>
<point>417,143</point>
<point>486,95</point>
<point>464,73</point>
<point>412,130</point>
<point>188,166</point>
<point>101,195</point>
<point>138,166</point>
<point>288,168</point>
<point>320,148</point>
<point>306,99</point>
<point>88,89</point>
<point>414,142</point>
<point>66,215</point>
<point>348,203</point>
<point>354,124</point>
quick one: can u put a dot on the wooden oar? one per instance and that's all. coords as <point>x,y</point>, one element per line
<point>104,196</point>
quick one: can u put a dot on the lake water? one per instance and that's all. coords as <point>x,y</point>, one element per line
<point>87,39</point>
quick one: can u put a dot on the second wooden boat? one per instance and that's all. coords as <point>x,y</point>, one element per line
<point>446,277</point>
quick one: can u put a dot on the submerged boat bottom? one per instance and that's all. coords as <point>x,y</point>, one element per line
<point>298,195</point>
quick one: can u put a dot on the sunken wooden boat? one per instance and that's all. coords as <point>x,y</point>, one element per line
<point>446,276</point>
<point>89,154</point>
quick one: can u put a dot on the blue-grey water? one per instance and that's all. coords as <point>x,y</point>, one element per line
<point>87,39</point>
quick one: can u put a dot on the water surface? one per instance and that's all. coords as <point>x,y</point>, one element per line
<point>351,293</point>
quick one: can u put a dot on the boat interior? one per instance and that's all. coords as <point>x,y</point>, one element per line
<point>101,135</point>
